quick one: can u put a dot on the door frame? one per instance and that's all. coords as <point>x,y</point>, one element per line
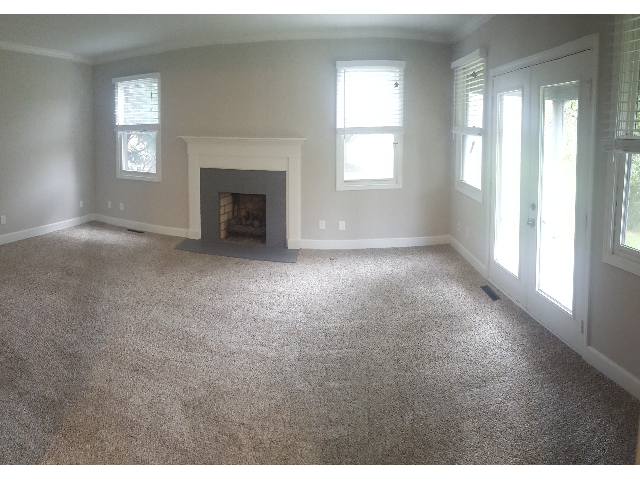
<point>585,175</point>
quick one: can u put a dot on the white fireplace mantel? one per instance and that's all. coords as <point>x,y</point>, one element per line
<point>270,154</point>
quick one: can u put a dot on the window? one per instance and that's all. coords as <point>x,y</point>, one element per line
<point>622,234</point>
<point>137,115</point>
<point>468,101</point>
<point>369,124</point>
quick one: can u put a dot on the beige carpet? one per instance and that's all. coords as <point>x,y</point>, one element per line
<point>117,348</point>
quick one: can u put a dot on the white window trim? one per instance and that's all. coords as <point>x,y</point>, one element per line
<point>465,188</point>
<point>398,132</point>
<point>618,146</point>
<point>139,175</point>
<point>614,253</point>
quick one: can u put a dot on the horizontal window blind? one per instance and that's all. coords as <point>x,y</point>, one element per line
<point>370,96</point>
<point>469,94</point>
<point>623,127</point>
<point>627,123</point>
<point>137,102</point>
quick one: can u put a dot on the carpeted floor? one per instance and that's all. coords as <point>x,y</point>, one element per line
<point>117,348</point>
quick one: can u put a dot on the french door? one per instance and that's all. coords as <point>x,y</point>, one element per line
<point>542,124</point>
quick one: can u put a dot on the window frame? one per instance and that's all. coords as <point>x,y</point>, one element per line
<point>621,143</point>
<point>615,253</point>
<point>120,129</point>
<point>398,132</point>
<point>622,202</point>
<point>460,131</point>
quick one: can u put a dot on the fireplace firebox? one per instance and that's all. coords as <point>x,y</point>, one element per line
<point>243,218</point>
<point>246,206</point>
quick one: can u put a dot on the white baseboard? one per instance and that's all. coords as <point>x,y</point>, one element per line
<point>41,230</point>
<point>475,262</point>
<point>612,370</point>
<point>163,230</point>
<point>373,243</point>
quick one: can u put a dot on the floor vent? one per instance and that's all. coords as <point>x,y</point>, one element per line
<point>134,231</point>
<point>491,293</point>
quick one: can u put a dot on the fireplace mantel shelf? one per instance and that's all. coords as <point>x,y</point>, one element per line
<point>269,154</point>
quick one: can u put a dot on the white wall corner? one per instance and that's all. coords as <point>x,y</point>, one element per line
<point>470,27</point>
<point>475,262</point>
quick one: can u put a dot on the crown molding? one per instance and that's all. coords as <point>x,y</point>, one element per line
<point>328,34</point>
<point>470,27</point>
<point>16,47</point>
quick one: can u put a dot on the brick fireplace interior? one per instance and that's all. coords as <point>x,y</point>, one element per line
<point>243,218</point>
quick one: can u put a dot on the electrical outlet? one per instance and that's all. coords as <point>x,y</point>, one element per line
<point>108,204</point>
<point>3,220</point>
<point>321,224</point>
<point>121,206</point>
<point>81,204</point>
<point>341,225</point>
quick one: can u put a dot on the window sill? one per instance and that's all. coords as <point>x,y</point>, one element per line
<point>155,177</point>
<point>622,263</point>
<point>470,191</point>
<point>357,185</point>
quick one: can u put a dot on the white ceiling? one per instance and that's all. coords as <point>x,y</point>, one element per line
<point>102,38</point>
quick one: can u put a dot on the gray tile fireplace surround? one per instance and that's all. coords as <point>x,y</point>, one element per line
<point>272,184</point>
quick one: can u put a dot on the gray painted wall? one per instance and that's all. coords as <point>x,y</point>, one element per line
<point>614,309</point>
<point>46,133</point>
<point>286,89</point>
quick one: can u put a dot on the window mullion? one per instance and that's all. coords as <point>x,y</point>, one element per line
<point>139,127</point>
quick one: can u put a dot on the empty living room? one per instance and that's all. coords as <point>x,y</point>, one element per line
<point>320,239</point>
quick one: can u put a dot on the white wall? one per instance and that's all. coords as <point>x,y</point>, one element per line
<point>46,158</point>
<point>614,309</point>
<point>286,89</point>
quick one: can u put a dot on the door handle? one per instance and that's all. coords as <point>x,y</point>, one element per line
<point>531,222</point>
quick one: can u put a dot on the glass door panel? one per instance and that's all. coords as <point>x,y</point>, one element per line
<point>507,207</point>
<point>557,192</point>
